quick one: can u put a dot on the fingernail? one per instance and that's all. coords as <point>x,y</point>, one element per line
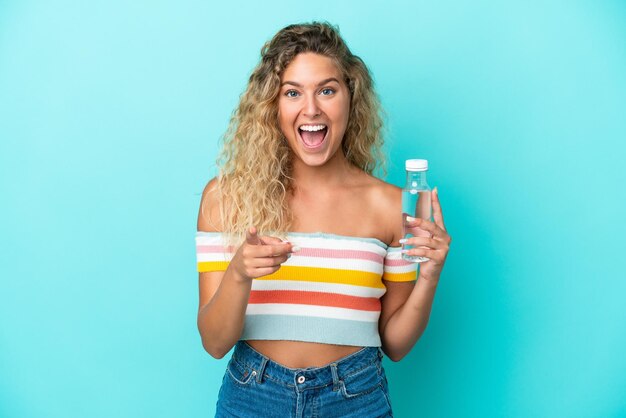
<point>295,249</point>
<point>402,241</point>
<point>404,251</point>
<point>410,218</point>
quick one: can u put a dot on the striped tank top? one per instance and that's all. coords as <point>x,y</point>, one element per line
<point>328,292</point>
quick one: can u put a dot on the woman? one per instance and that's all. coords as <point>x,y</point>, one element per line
<point>299,245</point>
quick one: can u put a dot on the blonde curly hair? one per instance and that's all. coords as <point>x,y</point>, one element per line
<point>255,164</point>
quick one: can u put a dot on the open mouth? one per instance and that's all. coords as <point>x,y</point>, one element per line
<point>313,136</point>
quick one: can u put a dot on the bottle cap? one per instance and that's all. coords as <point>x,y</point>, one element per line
<point>416,165</point>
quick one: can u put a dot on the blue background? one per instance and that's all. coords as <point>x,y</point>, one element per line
<point>110,113</point>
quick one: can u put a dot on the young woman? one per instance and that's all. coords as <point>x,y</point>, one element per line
<point>299,244</point>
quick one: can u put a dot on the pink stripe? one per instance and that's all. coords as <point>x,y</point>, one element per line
<point>397,263</point>
<point>332,253</point>
<point>314,252</point>
<point>213,249</point>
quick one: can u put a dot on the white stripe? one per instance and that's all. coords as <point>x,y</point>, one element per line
<point>337,244</point>
<point>313,262</point>
<point>214,257</point>
<point>209,238</point>
<point>343,289</point>
<point>335,263</point>
<point>394,254</point>
<point>347,243</point>
<point>202,239</point>
<point>401,269</point>
<point>311,310</point>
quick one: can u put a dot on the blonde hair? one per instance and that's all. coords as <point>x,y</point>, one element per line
<point>256,162</point>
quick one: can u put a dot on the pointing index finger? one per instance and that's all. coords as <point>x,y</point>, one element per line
<point>273,250</point>
<point>252,237</point>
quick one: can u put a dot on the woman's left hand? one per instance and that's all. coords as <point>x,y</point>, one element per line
<point>435,248</point>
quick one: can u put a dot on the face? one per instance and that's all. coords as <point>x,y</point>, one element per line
<point>313,108</point>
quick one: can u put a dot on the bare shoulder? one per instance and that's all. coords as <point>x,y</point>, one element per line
<point>209,219</point>
<point>385,203</point>
<point>384,190</point>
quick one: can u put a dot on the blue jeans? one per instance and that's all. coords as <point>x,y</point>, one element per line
<point>255,386</point>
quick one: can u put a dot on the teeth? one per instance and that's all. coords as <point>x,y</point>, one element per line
<point>312,128</point>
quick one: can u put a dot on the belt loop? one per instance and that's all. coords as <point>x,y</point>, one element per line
<point>379,363</point>
<point>259,376</point>
<point>333,370</point>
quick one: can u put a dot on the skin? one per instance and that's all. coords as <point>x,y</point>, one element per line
<point>313,92</point>
<point>330,195</point>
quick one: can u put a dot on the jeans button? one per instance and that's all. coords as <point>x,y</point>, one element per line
<point>301,379</point>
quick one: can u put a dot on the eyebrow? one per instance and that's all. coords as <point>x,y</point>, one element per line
<point>328,80</point>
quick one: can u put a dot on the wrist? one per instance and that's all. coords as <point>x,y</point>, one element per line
<point>429,281</point>
<point>237,276</point>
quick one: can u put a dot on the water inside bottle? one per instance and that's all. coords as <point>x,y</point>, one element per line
<point>415,203</point>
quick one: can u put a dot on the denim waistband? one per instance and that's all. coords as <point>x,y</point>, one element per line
<point>310,377</point>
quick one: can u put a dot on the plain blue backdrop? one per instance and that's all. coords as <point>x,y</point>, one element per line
<point>110,116</point>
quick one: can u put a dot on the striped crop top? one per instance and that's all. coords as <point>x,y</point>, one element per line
<point>328,292</point>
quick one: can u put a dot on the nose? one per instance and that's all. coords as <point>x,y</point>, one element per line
<point>311,107</point>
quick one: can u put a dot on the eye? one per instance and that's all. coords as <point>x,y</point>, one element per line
<point>327,91</point>
<point>291,93</point>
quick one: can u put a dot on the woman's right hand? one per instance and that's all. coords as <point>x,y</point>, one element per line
<point>260,256</point>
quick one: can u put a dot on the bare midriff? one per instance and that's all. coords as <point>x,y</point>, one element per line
<point>300,354</point>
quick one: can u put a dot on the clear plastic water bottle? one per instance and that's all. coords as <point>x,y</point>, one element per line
<point>416,203</point>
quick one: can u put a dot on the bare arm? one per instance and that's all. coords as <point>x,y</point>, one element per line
<point>407,324</point>
<point>221,319</point>
<point>406,307</point>
<point>224,295</point>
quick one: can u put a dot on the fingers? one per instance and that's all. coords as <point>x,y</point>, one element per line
<point>261,255</point>
<point>261,260</point>
<point>423,252</point>
<point>425,242</point>
<point>272,240</point>
<point>283,248</point>
<point>253,238</point>
<point>437,213</point>
<point>432,228</point>
<point>262,251</point>
<point>270,261</point>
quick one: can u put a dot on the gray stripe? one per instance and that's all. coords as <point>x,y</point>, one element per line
<point>313,329</point>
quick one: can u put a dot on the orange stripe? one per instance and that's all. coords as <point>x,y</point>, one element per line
<point>314,298</point>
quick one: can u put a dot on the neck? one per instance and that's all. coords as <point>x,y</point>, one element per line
<point>331,174</point>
